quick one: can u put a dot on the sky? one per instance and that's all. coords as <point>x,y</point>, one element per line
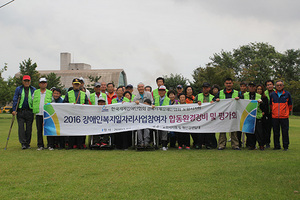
<point>147,39</point>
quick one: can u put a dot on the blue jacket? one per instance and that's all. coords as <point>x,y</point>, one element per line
<point>18,93</point>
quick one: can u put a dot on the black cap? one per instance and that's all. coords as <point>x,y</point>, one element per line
<point>179,86</point>
<point>252,83</point>
<point>205,84</point>
<point>129,86</point>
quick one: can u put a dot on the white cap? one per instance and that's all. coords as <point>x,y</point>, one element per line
<point>162,87</point>
<point>43,80</point>
<point>81,79</point>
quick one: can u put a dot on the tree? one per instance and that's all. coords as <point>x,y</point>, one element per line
<point>29,68</point>
<point>54,81</point>
<point>174,80</point>
<point>7,88</point>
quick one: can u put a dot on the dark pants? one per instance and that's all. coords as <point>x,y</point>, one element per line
<point>267,125</point>
<point>39,119</point>
<point>183,139</point>
<point>284,124</point>
<point>259,135</point>
<point>122,140</point>
<point>196,139</point>
<point>25,117</point>
<point>173,138</point>
<point>208,139</point>
<point>239,136</point>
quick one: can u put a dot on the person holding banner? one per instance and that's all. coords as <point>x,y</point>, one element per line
<point>228,93</point>
<point>269,90</point>
<point>41,97</point>
<point>94,97</point>
<point>183,138</point>
<point>209,139</point>
<point>162,100</point>
<point>142,95</point>
<point>23,99</point>
<point>78,97</point>
<point>160,81</point>
<point>281,106</point>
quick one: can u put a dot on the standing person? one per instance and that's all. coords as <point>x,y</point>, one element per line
<point>78,97</point>
<point>120,98</point>
<point>23,94</point>
<point>228,93</point>
<point>148,88</point>
<point>87,92</point>
<point>110,92</point>
<point>258,135</point>
<point>183,138</point>
<point>41,97</point>
<point>243,90</point>
<point>269,90</point>
<point>127,96</point>
<point>160,81</point>
<point>103,87</point>
<point>172,96</point>
<point>129,88</point>
<point>209,139</point>
<point>162,100</point>
<point>215,89</point>
<point>142,94</point>
<point>94,97</point>
<point>281,106</point>
<point>179,90</point>
<point>172,135</point>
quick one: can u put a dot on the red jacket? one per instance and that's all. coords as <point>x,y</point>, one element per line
<point>281,106</point>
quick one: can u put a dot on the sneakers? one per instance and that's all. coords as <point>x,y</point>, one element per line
<point>102,144</point>
<point>285,149</point>
<point>165,148</point>
<point>50,148</point>
<point>237,148</point>
<point>179,148</point>
<point>40,148</point>
<point>261,148</point>
<point>188,148</point>
<point>24,146</point>
<point>220,148</point>
<point>251,148</point>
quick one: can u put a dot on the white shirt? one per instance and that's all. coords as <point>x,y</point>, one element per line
<point>42,103</point>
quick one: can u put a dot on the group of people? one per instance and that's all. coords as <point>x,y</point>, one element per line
<point>274,106</point>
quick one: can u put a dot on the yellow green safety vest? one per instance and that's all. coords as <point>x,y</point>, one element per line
<point>37,98</point>
<point>23,97</point>
<point>71,96</point>
<point>201,97</point>
<point>115,100</point>
<point>93,97</point>
<point>165,102</point>
<point>223,96</point>
<point>257,97</point>
<point>155,93</point>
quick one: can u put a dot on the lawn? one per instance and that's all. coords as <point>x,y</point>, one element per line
<point>194,174</point>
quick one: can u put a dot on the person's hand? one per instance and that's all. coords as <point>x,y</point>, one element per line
<point>217,100</point>
<point>137,102</point>
<point>211,102</point>
<point>199,103</point>
<point>259,100</point>
<point>237,98</point>
<point>14,113</point>
<point>153,106</point>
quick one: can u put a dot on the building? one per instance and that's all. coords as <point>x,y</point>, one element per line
<point>68,71</point>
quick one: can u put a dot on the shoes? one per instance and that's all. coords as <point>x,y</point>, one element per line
<point>50,148</point>
<point>261,148</point>
<point>238,148</point>
<point>277,148</point>
<point>179,148</point>
<point>197,147</point>
<point>208,147</point>
<point>83,146</point>
<point>188,148</point>
<point>229,140</point>
<point>267,146</point>
<point>251,148</point>
<point>165,148</point>
<point>75,146</point>
<point>285,149</point>
<point>40,148</point>
<point>24,146</point>
<point>220,148</point>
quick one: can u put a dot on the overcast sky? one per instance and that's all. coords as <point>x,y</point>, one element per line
<point>146,38</point>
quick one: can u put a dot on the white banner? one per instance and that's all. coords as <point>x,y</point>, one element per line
<point>225,116</point>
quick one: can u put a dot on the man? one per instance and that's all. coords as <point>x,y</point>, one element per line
<point>162,100</point>
<point>243,90</point>
<point>23,95</point>
<point>41,97</point>
<point>87,92</point>
<point>142,95</point>
<point>268,126</point>
<point>148,88</point>
<point>120,98</point>
<point>56,96</point>
<point>103,87</point>
<point>78,97</point>
<point>94,97</point>
<point>281,106</point>
<point>179,90</point>
<point>160,81</point>
<point>259,134</point>
<point>209,139</point>
<point>129,88</point>
<point>110,92</point>
<point>228,93</point>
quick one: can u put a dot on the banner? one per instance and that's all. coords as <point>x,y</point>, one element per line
<point>228,115</point>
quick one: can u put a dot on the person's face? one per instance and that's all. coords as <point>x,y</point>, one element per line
<point>160,83</point>
<point>110,88</point>
<point>56,94</point>
<point>103,86</point>
<point>161,93</point>
<point>215,91</point>
<point>148,89</point>
<point>141,88</point>
<point>252,88</point>
<point>97,89</point>
<point>120,92</point>
<point>43,85</point>
<point>76,86</point>
<point>127,96</point>
<point>270,86</point>
<point>228,85</point>
<point>243,88</point>
<point>81,83</point>
<point>26,83</point>
<point>179,90</point>
<point>205,90</point>
<point>182,99</point>
<point>279,86</point>
<point>101,103</point>
<point>259,90</point>
<point>189,91</point>
<point>130,90</point>
<point>172,97</point>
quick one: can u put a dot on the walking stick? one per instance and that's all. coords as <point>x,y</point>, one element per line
<point>11,125</point>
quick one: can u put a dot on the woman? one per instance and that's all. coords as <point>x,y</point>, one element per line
<point>189,94</point>
<point>183,138</point>
<point>172,135</point>
<point>215,89</point>
<point>171,94</point>
<point>127,97</point>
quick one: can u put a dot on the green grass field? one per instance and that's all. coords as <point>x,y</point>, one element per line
<point>194,174</point>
